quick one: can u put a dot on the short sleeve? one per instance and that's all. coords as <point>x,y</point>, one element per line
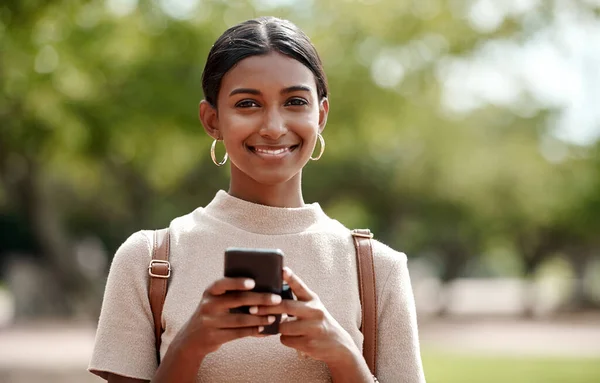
<point>398,350</point>
<point>125,335</point>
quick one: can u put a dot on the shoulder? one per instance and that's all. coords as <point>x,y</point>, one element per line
<point>382,253</point>
<point>134,250</point>
<point>196,220</point>
<point>188,221</point>
<point>384,257</point>
<point>387,256</point>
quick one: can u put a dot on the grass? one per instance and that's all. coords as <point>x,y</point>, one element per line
<point>452,368</point>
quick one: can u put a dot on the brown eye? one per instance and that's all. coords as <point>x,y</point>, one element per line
<point>246,104</point>
<point>297,102</point>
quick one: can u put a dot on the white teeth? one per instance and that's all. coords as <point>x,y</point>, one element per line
<point>271,152</point>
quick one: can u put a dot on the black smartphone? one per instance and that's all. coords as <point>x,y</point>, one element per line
<point>265,266</point>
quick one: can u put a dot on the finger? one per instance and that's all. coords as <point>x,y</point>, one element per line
<point>223,285</point>
<point>299,327</point>
<point>299,288</point>
<point>238,320</point>
<point>247,298</point>
<point>291,308</point>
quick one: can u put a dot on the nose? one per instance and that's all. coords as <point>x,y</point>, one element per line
<point>273,126</point>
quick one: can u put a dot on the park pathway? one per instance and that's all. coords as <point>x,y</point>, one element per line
<point>59,352</point>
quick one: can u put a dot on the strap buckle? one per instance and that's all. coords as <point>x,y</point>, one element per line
<point>362,235</point>
<point>159,262</point>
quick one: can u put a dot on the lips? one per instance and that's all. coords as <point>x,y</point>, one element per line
<point>274,151</point>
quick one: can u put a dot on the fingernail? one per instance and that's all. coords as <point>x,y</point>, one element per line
<point>249,283</point>
<point>270,319</point>
<point>253,310</point>
<point>261,328</point>
<point>276,299</point>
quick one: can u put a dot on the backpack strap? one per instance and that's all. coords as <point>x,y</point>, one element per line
<point>160,271</point>
<point>368,294</point>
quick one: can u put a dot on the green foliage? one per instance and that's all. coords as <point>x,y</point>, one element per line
<point>100,111</point>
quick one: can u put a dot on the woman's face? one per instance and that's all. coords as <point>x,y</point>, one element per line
<point>268,116</point>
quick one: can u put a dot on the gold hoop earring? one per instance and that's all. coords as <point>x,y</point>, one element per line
<point>322,141</point>
<point>214,157</point>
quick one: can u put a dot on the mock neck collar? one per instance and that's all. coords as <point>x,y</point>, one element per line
<point>263,219</point>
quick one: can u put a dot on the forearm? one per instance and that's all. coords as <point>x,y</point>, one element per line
<point>180,364</point>
<point>351,369</point>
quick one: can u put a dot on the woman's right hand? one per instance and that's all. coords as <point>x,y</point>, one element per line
<point>212,324</point>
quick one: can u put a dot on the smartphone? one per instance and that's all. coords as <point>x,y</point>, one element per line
<point>265,267</point>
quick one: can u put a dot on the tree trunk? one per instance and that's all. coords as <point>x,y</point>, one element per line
<point>455,256</point>
<point>529,294</point>
<point>581,298</point>
<point>535,247</point>
<point>58,256</point>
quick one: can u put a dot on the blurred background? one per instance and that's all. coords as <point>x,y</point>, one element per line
<point>462,132</point>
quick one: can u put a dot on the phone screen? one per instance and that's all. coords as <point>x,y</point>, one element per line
<point>265,266</point>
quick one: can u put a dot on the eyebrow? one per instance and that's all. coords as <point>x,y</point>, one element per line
<point>290,89</point>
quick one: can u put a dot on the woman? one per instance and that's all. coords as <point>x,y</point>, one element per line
<point>266,100</point>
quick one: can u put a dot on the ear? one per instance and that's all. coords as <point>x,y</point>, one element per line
<point>323,113</point>
<point>209,118</point>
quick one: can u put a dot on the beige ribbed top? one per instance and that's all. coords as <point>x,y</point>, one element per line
<point>319,249</point>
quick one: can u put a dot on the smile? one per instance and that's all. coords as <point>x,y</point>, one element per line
<point>272,152</point>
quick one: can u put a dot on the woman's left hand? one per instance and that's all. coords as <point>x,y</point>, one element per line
<point>312,331</point>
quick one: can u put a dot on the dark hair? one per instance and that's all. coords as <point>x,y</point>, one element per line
<point>258,37</point>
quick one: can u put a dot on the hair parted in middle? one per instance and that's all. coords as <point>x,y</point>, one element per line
<point>254,37</point>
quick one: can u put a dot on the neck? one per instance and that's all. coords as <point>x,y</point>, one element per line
<point>285,194</point>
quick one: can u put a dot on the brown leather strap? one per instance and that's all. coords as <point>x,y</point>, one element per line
<point>160,271</point>
<point>368,294</point>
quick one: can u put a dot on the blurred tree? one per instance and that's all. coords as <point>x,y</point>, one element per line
<point>99,134</point>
